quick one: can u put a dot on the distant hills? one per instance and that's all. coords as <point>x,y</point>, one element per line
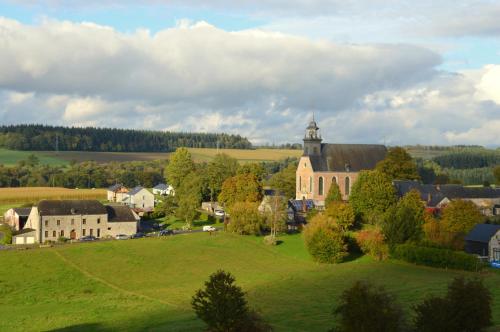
<point>49,138</point>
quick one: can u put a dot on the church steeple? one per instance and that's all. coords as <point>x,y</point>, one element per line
<point>312,139</point>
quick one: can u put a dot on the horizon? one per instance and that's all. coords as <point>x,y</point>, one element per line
<point>399,73</point>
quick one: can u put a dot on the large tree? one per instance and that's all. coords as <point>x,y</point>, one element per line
<point>189,198</point>
<point>179,166</point>
<point>245,219</point>
<point>372,194</point>
<point>325,240</point>
<point>217,171</point>
<point>284,181</point>
<point>240,188</point>
<point>460,216</point>
<point>398,165</point>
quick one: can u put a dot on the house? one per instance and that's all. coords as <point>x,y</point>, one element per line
<point>268,200</point>
<point>436,197</point>
<point>116,193</point>
<point>17,217</point>
<point>484,240</point>
<point>297,212</point>
<point>163,189</point>
<point>50,220</point>
<point>322,164</point>
<point>139,198</point>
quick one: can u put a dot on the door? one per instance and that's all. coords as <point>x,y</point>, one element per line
<point>30,240</point>
<point>72,234</point>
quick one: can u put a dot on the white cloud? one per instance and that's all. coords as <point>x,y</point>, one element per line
<point>489,85</point>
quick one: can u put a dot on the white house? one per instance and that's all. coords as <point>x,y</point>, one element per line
<point>139,198</point>
<point>17,217</point>
<point>116,192</point>
<point>163,189</point>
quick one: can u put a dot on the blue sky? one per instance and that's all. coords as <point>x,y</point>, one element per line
<point>372,70</point>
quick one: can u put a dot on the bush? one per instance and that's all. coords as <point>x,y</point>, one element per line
<point>371,242</point>
<point>270,240</point>
<point>62,239</point>
<point>324,241</point>
<point>443,258</point>
<point>245,219</point>
<point>5,234</point>
<point>364,307</point>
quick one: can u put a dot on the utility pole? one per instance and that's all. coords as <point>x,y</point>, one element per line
<point>57,144</point>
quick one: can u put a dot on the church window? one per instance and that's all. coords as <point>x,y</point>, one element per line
<point>334,179</point>
<point>320,186</point>
<point>300,182</point>
<point>347,186</point>
<point>311,184</point>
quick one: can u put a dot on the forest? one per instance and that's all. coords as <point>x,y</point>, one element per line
<point>50,138</point>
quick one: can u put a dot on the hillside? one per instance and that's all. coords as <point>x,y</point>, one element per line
<point>147,284</point>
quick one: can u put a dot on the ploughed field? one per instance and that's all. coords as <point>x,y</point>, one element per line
<point>8,157</point>
<point>147,284</point>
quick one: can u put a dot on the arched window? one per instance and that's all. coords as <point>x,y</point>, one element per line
<point>334,179</point>
<point>347,186</point>
<point>310,184</point>
<point>320,186</point>
<point>315,150</point>
<point>300,183</point>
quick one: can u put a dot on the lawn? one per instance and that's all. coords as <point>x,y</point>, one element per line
<point>147,284</point>
<point>25,195</point>
<point>10,157</point>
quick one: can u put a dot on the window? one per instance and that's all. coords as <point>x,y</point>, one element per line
<point>334,179</point>
<point>62,233</point>
<point>54,234</point>
<point>347,186</point>
<point>98,232</point>
<point>109,228</point>
<point>72,221</point>
<point>59,223</point>
<point>46,233</point>
<point>320,186</point>
<point>98,220</point>
<point>300,183</point>
<point>91,232</point>
<point>84,221</point>
<point>311,184</point>
<point>46,222</point>
<point>83,232</point>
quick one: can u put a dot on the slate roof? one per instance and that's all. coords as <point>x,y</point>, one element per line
<point>69,207</point>
<point>120,213</point>
<point>297,204</point>
<point>458,191</point>
<point>428,192</point>
<point>23,212</point>
<point>348,157</point>
<point>135,190</point>
<point>161,186</point>
<point>482,233</point>
<point>115,187</point>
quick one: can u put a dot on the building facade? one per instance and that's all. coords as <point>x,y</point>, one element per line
<point>323,164</point>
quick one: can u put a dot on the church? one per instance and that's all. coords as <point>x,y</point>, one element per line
<point>322,164</point>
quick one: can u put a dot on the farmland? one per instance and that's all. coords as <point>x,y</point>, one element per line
<point>8,157</point>
<point>34,194</point>
<point>147,284</point>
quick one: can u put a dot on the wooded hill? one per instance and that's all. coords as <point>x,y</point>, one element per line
<point>49,138</point>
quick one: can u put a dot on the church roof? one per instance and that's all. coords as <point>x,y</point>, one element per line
<point>347,157</point>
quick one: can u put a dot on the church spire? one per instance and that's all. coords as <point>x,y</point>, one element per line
<point>312,139</point>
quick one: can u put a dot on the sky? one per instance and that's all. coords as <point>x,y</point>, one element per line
<point>371,71</point>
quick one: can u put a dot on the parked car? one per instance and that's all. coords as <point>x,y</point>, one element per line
<point>138,235</point>
<point>121,237</point>
<point>88,238</point>
<point>165,232</point>
<point>219,213</point>
<point>209,229</point>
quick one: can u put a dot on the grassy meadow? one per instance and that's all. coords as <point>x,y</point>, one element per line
<point>10,157</point>
<point>24,195</point>
<point>147,284</point>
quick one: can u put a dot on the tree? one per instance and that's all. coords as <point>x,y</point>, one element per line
<point>367,308</point>
<point>341,214</point>
<point>333,194</point>
<point>218,170</point>
<point>189,198</point>
<point>404,221</point>
<point>245,219</point>
<point>460,216</point>
<point>253,168</point>
<point>398,165</point>
<point>371,241</point>
<point>276,215</point>
<point>325,240</point>
<point>5,234</point>
<point>284,181</point>
<point>179,166</point>
<point>465,308</point>
<point>372,194</point>
<point>240,188</point>
<point>221,304</point>
<point>496,173</point>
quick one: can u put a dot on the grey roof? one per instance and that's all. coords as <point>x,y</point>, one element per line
<point>458,191</point>
<point>482,233</point>
<point>161,186</point>
<point>428,192</point>
<point>120,213</point>
<point>135,190</point>
<point>70,207</point>
<point>348,157</point>
<point>23,212</point>
<point>115,187</point>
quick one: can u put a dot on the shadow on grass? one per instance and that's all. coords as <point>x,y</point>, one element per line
<point>82,327</point>
<point>352,257</point>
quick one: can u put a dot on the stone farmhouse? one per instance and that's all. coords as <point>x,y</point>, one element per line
<point>72,219</point>
<point>321,164</point>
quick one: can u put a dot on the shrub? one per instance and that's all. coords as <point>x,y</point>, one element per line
<point>270,240</point>
<point>366,308</point>
<point>62,239</point>
<point>5,234</point>
<point>245,219</point>
<point>371,242</point>
<point>466,307</point>
<point>324,241</point>
<point>443,258</point>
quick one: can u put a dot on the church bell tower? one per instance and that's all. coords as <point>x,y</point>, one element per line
<point>312,140</point>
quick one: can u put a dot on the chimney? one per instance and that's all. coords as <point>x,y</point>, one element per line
<point>429,198</point>
<point>438,187</point>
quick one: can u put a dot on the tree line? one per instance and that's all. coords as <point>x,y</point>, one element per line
<point>468,159</point>
<point>47,138</point>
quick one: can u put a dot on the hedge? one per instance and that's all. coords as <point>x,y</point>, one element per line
<point>435,257</point>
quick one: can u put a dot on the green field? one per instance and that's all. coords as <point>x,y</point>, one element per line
<point>147,284</point>
<point>8,157</point>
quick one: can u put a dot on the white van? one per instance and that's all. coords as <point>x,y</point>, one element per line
<point>209,229</point>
